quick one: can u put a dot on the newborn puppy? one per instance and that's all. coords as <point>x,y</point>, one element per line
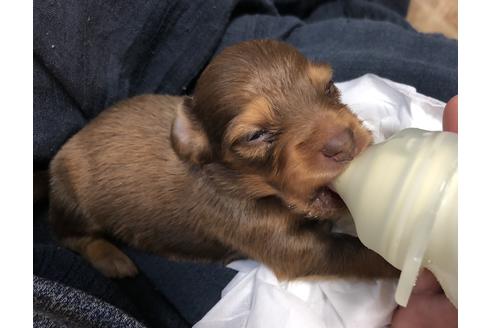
<point>242,167</point>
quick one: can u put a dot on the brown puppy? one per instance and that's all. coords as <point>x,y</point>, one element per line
<point>241,167</point>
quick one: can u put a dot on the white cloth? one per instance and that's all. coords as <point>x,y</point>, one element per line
<point>255,298</point>
<point>387,107</point>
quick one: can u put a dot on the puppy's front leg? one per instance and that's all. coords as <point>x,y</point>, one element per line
<point>299,250</point>
<point>347,256</point>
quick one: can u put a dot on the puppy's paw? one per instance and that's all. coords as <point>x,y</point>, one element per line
<point>109,260</point>
<point>116,266</point>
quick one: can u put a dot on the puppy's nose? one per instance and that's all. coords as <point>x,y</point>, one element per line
<point>340,147</point>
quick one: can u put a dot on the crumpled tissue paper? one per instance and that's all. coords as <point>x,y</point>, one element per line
<point>255,298</point>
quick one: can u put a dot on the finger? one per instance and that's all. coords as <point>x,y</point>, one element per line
<point>433,311</point>
<point>450,115</point>
<point>426,283</point>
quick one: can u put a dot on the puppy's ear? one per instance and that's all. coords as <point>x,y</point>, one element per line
<point>188,137</point>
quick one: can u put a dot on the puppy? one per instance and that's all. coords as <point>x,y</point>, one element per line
<point>241,168</point>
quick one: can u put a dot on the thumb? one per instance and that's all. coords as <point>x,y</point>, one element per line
<point>450,115</point>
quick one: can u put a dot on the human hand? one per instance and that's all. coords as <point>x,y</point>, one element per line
<point>450,116</point>
<point>428,306</point>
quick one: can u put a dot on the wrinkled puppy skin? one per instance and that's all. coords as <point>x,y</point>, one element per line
<point>239,169</point>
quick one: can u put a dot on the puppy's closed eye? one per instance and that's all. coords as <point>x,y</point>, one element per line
<point>258,136</point>
<point>330,88</point>
<point>254,145</point>
<point>251,134</point>
<point>332,91</point>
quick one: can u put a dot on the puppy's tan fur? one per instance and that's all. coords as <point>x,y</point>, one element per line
<point>239,168</point>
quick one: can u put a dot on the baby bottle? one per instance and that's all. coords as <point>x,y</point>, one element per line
<point>402,195</point>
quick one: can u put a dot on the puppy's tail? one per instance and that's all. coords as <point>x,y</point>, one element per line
<point>41,186</point>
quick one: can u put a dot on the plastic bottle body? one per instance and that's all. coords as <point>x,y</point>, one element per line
<point>402,195</point>
<point>442,254</point>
